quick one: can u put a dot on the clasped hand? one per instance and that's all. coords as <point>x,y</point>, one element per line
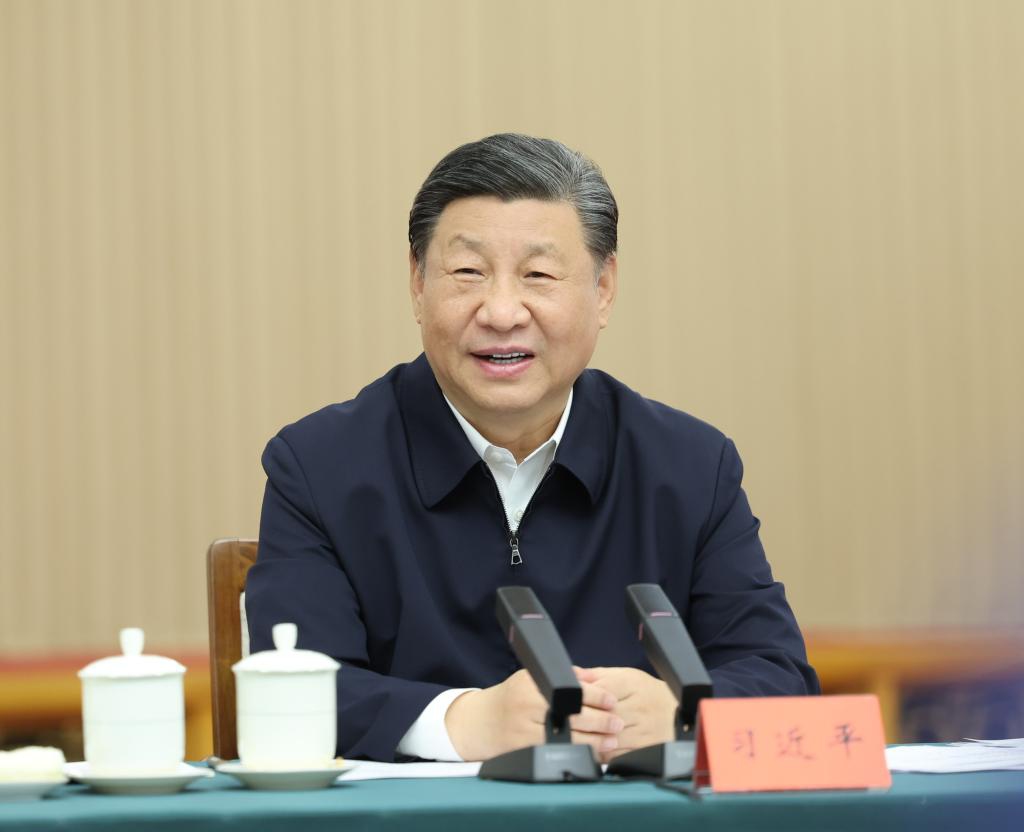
<point>623,708</point>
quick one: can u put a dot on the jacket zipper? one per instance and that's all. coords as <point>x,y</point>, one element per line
<point>513,536</point>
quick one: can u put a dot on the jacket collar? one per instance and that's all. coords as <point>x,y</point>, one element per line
<point>438,448</point>
<point>586,447</point>
<point>441,455</point>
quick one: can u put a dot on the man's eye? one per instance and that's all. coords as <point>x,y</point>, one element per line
<point>538,274</point>
<point>467,271</point>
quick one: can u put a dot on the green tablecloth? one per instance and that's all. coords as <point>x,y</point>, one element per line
<point>991,801</point>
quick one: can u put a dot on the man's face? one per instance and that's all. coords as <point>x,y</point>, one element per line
<point>510,306</point>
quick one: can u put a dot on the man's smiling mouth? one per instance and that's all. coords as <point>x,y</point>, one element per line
<point>503,357</point>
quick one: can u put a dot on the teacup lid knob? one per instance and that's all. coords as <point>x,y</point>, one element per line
<point>131,663</point>
<point>132,640</point>
<point>285,657</point>
<point>285,636</point>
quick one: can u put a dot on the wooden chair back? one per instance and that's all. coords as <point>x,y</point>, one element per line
<point>227,564</point>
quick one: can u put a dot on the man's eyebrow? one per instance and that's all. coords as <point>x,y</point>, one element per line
<point>471,243</point>
<point>538,249</point>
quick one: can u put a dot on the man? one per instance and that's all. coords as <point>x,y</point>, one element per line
<point>496,458</point>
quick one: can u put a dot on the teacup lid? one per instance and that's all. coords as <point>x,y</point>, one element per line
<point>131,664</point>
<point>285,658</point>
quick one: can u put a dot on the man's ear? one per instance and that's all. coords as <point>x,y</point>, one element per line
<point>607,286</point>
<point>415,285</point>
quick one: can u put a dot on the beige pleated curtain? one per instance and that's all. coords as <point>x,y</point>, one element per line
<point>202,238</point>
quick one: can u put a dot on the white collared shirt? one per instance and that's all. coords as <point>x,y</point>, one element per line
<point>428,737</point>
<point>516,482</point>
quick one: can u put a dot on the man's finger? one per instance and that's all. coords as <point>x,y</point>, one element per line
<point>601,743</point>
<point>598,697</point>
<point>595,721</point>
<point>618,681</point>
<point>606,757</point>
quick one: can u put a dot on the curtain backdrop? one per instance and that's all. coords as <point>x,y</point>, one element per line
<point>203,213</point>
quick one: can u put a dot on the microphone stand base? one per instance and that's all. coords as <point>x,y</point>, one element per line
<point>667,761</point>
<point>548,763</point>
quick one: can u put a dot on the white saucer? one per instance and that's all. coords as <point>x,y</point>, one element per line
<point>32,790</point>
<point>316,778</point>
<point>169,783</point>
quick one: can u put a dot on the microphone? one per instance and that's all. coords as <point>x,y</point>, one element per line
<point>534,639</point>
<point>670,650</point>
<point>536,643</point>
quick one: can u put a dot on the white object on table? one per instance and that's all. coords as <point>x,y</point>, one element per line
<point>32,764</point>
<point>370,770</point>
<point>277,780</point>
<point>12,792</point>
<point>133,711</point>
<point>972,755</point>
<point>1011,743</point>
<point>287,706</point>
<point>165,782</point>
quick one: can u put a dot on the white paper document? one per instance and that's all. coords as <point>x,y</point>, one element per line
<point>970,755</point>
<point>369,770</point>
<point>1014,743</point>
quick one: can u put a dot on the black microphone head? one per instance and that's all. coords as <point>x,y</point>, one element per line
<point>535,641</point>
<point>514,602</point>
<point>668,646</point>
<point>647,601</point>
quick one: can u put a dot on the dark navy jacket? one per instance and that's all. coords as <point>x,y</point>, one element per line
<point>384,539</point>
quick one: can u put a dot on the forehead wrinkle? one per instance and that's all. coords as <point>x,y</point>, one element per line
<point>534,249</point>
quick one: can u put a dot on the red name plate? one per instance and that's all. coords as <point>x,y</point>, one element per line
<point>791,742</point>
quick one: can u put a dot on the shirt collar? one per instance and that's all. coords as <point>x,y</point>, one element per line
<point>481,445</point>
<point>442,454</point>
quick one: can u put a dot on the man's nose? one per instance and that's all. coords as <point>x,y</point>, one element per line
<point>503,307</point>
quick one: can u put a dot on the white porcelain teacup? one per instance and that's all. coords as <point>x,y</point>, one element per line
<point>133,711</point>
<point>287,706</point>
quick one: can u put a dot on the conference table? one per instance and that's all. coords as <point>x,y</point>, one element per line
<point>989,801</point>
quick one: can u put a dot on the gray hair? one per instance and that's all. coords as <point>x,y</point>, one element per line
<point>512,166</point>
